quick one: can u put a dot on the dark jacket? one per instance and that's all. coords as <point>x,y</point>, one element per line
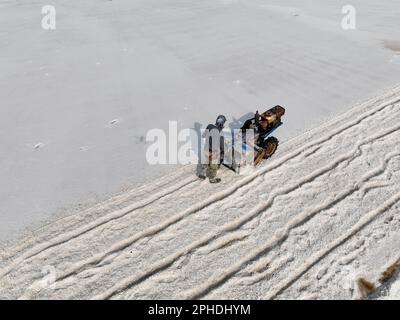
<point>214,139</point>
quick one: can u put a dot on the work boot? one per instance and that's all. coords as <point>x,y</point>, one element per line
<point>215,180</point>
<point>202,176</point>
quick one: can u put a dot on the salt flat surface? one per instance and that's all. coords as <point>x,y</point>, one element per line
<point>309,223</point>
<point>76,102</point>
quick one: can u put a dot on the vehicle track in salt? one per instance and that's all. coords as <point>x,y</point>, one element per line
<point>106,258</point>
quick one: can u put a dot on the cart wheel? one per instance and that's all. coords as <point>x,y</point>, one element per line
<point>270,146</point>
<point>259,157</point>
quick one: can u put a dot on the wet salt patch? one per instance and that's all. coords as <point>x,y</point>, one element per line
<point>392,45</point>
<point>395,59</point>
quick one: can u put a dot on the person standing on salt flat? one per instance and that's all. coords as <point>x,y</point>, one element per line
<point>213,150</point>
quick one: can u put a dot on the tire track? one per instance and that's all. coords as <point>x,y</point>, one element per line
<point>231,226</point>
<point>269,272</point>
<point>368,218</point>
<point>103,206</point>
<point>63,238</point>
<point>280,236</point>
<point>220,196</point>
<point>157,228</point>
<point>376,172</point>
<point>348,257</point>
